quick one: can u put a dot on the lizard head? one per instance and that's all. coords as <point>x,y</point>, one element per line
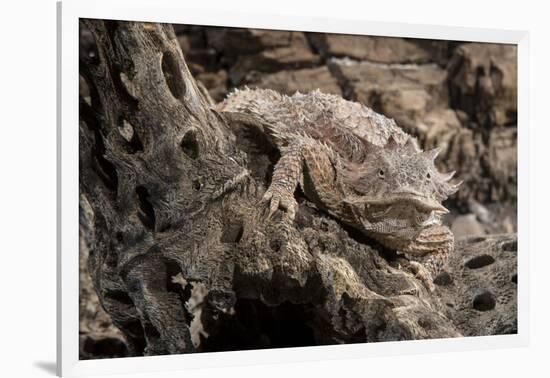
<point>397,187</point>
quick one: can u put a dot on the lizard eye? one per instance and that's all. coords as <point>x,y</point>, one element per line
<point>428,175</point>
<point>381,173</point>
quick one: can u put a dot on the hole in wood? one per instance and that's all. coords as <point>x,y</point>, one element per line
<point>511,246</point>
<point>443,279</point>
<point>256,325</point>
<point>134,331</point>
<point>476,239</point>
<point>480,261</point>
<point>484,301</point>
<point>119,296</point>
<point>232,233</point>
<point>151,333</point>
<point>130,135</point>
<point>104,168</point>
<point>173,75</point>
<point>190,145</point>
<point>275,245</point>
<point>146,211</point>
<point>197,185</point>
<point>105,347</point>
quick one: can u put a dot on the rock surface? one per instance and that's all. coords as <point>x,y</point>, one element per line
<point>483,82</point>
<point>295,54</point>
<point>236,41</point>
<point>215,82</point>
<point>375,49</point>
<point>304,80</point>
<point>404,92</point>
<point>501,160</point>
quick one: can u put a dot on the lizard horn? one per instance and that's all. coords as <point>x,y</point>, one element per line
<point>369,147</point>
<point>432,154</point>
<point>454,188</point>
<point>391,143</point>
<point>447,176</point>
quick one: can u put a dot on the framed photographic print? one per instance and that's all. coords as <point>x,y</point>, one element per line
<point>270,188</point>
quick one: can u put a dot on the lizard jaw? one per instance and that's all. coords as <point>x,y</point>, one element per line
<point>421,203</point>
<point>400,224</point>
<point>397,212</point>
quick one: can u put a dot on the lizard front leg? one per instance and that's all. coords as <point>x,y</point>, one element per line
<point>286,175</point>
<point>429,252</point>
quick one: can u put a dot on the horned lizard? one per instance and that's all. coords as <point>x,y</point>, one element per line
<point>355,164</point>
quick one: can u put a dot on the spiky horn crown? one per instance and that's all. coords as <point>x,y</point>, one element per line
<point>354,173</point>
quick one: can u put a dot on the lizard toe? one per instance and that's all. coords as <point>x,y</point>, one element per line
<point>273,206</point>
<point>276,199</point>
<point>290,205</point>
<point>267,196</point>
<point>422,274</point>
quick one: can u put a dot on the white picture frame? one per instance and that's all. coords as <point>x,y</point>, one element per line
<point>68,363</point>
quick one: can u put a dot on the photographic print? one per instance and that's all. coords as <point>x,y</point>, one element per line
<point>252,189</point>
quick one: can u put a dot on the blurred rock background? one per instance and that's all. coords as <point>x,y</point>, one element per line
<point>460,96</point>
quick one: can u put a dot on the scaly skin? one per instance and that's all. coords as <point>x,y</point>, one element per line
<point>357,165</point>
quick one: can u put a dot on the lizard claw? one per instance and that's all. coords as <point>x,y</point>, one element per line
<point>279,199</point>
<point>422,274</point>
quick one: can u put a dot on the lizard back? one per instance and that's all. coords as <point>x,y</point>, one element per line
<point>346,126</point>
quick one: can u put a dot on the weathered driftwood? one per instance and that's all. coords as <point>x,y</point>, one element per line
<point>174,198</point>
